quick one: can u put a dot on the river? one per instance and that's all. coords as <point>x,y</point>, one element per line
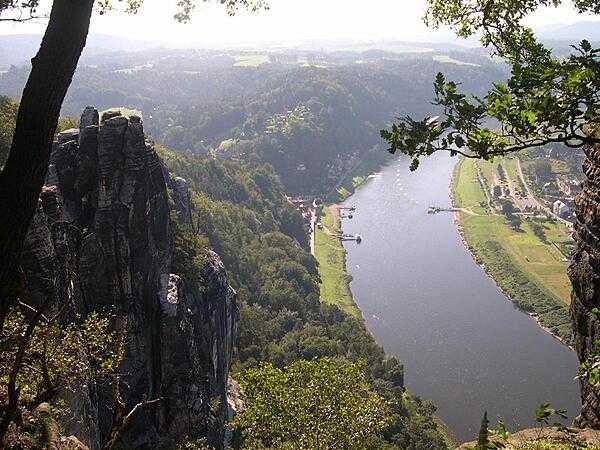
<point>464,345</point>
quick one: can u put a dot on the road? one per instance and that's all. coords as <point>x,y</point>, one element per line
<point>534,198</point>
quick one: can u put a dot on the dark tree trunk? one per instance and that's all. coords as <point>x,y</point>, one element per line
<point>23,176</point>
<point>584,272</point>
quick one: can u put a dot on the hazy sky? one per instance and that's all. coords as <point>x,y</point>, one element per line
<point>287,20</point>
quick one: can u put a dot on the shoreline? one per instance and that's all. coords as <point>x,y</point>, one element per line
<point>331,255</point>
<point>460,229</point>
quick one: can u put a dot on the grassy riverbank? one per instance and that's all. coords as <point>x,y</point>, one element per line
<point>528,266</point>
<point>331,255</point>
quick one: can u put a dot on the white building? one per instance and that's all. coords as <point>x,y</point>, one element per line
<point>560,209</point>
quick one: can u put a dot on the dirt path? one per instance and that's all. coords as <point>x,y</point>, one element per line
<point>466,211</point>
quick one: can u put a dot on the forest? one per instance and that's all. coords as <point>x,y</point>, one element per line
<point>157,283</point>
<point>313,116</point>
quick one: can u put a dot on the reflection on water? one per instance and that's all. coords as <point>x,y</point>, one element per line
<point>463,344</point>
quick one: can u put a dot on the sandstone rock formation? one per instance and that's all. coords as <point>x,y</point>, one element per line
<point>102,241</point>
<point>583,271</point>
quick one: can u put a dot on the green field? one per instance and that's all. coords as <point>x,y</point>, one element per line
<point>251,60</point>
<point>331,255</point>
<point>530,271</point>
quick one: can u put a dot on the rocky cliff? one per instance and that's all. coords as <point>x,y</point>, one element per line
<point>583,271</point>
<point>102,241</point>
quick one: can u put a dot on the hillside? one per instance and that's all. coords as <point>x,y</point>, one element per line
<point>281,317</point>
<point>314,116</point>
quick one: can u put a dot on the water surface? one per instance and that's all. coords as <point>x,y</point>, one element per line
<point>464,345</point>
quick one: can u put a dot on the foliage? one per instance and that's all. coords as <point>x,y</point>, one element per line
<point>195,444</point>
<point>25,10</point>
<point>515,221</point>
<point>589,369</point>
<point>43,357</point>
<point>319,404</point>
<point>539,231</point>
<point>547,417</point>
<point>541,169</point>
<point>313,125</point>
<point>66,123</point>
<point>8,116</point>
<point>546,99</point>
<point>483,438</point>
<point>238,210</point>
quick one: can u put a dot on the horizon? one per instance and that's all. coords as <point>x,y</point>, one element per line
<point>287,23</point>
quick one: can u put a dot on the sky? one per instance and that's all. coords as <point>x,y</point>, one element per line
<point>287,21</point>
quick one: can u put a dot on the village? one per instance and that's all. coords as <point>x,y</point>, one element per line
<point>509,190</point>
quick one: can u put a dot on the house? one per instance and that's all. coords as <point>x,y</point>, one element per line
<point>560,209</point>
<point>550,189</point>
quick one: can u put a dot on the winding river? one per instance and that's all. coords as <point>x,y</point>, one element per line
<point>463,343</point>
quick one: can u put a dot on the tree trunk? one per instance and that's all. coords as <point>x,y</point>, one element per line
<point>584,272</point>
<point>23,176</point>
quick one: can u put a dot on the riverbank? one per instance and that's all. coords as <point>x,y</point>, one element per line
<point>525,264</point>
<point>335,289</point>
<point>331,256</point>
<point>371,163</point>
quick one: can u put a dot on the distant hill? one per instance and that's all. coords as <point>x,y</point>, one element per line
<point>574,32</point>
<point>18,49</point>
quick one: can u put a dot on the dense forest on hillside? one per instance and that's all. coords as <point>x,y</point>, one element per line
<point>282,319</point>
<point>312,116</point>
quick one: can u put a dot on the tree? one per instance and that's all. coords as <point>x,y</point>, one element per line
<point>515,222</point>
<point>547,100</point>
<point>319,404</point>
<point>542,170</point>
<point>41,357</point>
<point>51,73</point>
<point>497,191</point>
<point>483,438</point>
<point>508,208</point>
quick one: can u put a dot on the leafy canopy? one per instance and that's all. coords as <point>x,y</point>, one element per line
<point>546,99</point>
<point>24,10</point>
<point>8,116</point>
<point>319,404</point>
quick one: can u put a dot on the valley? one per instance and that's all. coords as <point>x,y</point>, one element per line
<point>272,276</point>
<point>426,299</point>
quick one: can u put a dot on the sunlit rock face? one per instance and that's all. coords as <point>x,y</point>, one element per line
<point>584,272</point>
<point>102,241</point>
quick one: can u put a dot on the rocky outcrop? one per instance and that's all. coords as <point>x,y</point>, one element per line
<point>584,272</point>
<point>101,241</point>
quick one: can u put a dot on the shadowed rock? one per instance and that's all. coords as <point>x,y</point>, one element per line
<point>583,271</point>
<point>102,241</point>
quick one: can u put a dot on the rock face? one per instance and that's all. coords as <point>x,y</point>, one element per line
<point>101,241</point>
<point>584,272</point>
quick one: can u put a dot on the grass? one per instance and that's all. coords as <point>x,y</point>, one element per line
<point>530,271</point>
<point>251,60</point>
<point>445,59</point>
<point>331,255</point>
